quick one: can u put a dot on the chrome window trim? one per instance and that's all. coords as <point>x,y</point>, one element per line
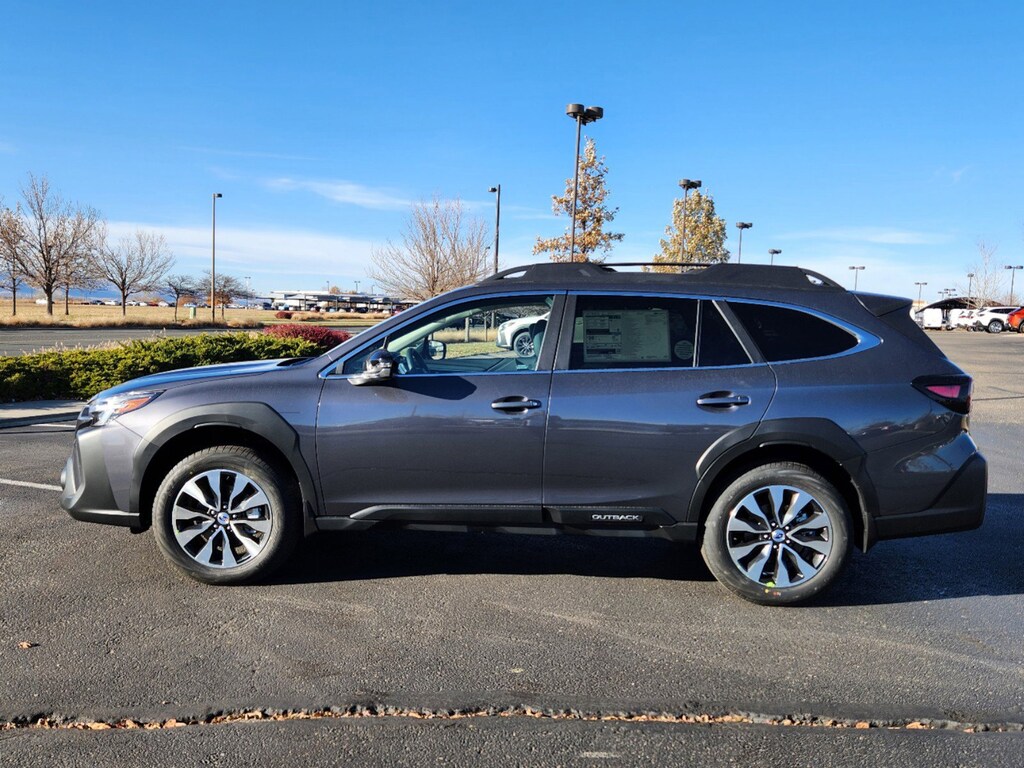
<point>324,372</point>
<point>865,339</point>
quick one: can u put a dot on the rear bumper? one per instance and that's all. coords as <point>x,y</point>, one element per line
<point>960,507</point>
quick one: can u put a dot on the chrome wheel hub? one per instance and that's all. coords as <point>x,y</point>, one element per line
<point>221,518</point>
<point>779,536</point>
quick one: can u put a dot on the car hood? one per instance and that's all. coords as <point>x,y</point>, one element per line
<point>200,373</point>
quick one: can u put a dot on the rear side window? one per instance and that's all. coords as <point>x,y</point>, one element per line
<point>718,345</point>
<point>633,332</point>
<point>789,334</point>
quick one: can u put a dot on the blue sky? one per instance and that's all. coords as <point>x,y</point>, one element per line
<point>880,134</point>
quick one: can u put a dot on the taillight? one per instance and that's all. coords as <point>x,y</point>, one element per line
<point>953,391</point>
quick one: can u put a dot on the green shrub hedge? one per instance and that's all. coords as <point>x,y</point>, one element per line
<point>81,373</point>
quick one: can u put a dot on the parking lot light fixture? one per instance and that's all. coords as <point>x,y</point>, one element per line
<point>856,273</point>
<point>1013,273</point>
<point>772,253</point>
<point>582,115</point>
<point>687,185</point>
<point>920,286</point>
<point>741,225</point>
<point>496,190</point>
<point>970,286</point>
<point>213,261</point>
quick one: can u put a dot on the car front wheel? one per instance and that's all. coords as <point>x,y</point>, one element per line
<point>522,344</point>
<point>224,515</point>
<point>778,534</point>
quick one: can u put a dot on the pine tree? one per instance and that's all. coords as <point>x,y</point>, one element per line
<point>592,214</point>
<point>705,234</point>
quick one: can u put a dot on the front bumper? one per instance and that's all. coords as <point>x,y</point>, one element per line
<point>89,493</point>
<point>960,506</point>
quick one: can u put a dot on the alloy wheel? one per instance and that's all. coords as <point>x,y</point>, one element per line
<point>779,536</point>
<point>221,518</point>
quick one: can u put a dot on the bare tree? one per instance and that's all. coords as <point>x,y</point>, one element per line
<point>986,285</point>
<point>441,248</point>
<point>178,286</point>
<point>57,235</point>
<point>137,263</point>
<point>227,288</point>
<point>10,242</point>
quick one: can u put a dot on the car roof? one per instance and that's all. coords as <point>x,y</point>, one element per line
<point>699,277</point>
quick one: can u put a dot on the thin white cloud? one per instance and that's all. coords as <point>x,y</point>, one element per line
<point>245,153</point>
<point>345,192</point>
<point>275,258</point>
<point>7,148</point>
<point>952,175</point>
<point>870,235</point>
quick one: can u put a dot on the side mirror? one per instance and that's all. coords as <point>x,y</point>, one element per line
<point>379,367</point>
<point>437,350</point>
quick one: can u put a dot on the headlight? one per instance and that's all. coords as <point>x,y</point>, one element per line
<point>109,408</point>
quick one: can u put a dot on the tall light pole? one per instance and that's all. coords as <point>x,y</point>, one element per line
<point>772,253</point>
<point>582,115</point>
<point>687,185</point>
<point>970,286</point>
<point>919,287</point>
<point>357,285</point>
<point>497,222</point>
<point>248,290</point>
<point>1013,273</point>
<point>213,262</point>
<point>741,225</point>
<point>856,274</point>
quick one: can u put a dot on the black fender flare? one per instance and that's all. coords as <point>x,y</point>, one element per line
<point>257,418</point>
<point>820,435</point>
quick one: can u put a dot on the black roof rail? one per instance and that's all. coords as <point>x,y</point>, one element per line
<point>753,275</point>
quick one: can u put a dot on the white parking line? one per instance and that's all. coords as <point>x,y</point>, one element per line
<point>23,484</point>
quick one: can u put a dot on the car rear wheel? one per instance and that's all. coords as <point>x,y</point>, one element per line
<point>224,515</point>
<point>778,534</point>
<point>1020,327</point>
<point>995,326</point>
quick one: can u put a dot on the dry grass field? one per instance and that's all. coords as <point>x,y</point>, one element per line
<point>99,316</point>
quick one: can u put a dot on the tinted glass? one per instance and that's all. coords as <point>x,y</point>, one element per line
<point>484,336</point>
<point>717,343</point>
<point>633,332</point>
<point>788,334</point>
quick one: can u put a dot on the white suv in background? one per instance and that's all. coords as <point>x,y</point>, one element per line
<point>993,319</point>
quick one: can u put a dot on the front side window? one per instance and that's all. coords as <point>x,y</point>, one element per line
<point>502,335</point>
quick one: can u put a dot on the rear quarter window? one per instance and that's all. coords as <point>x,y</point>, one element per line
<point>790,334</point>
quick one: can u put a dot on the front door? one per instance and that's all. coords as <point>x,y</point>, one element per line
<point>457,434</point>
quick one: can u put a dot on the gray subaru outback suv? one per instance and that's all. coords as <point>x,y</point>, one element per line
<point>765,414</point>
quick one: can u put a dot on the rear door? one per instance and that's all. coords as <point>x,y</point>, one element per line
<point>643,386</point>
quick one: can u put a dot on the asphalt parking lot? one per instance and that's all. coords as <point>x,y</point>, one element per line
<point>416,648</point>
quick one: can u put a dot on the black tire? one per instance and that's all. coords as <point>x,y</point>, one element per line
<point>995,326</point>
<point>247,540</point>
<point>725,536</point>
<point>1020,327</point>
<point>522,344</point>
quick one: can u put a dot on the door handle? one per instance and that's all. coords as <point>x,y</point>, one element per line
<point>722,400</point>
<point>515,404</point>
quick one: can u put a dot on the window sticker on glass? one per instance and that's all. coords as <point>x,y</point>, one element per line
<point>618,336</point>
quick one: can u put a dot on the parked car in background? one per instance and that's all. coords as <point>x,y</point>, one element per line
<point>1015,321</point>
<point>993,319</point>
<point>762,414</point>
